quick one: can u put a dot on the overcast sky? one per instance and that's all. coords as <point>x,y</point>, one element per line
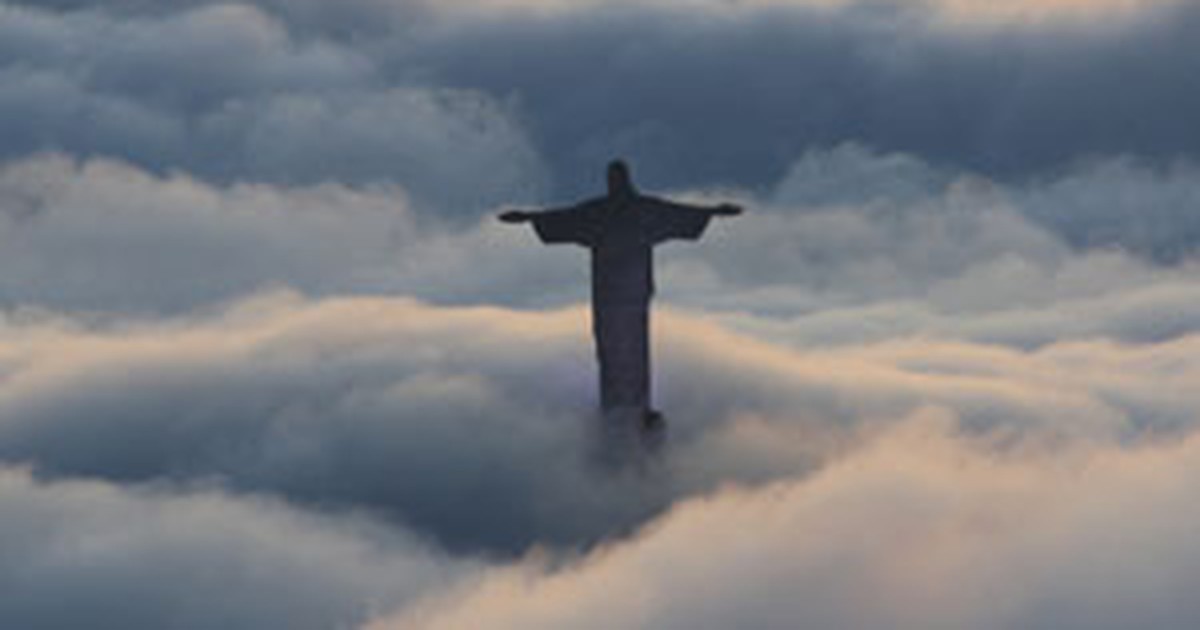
<point>268,361</point>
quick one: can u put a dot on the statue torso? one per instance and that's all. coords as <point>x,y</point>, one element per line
<point>622,256</point>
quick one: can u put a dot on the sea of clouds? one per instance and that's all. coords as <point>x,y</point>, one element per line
<point>268,361</point>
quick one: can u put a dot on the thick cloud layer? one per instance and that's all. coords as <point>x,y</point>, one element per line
<point>457,103</point>
<point>421,415</point>
<point>919,530</point>
<point>471,427</point>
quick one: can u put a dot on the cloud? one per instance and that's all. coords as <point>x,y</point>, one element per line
<point>228,93</point>
<point>843,232</point>
<point>921,529</point>
<point>992,305</point>
<point>267,361</point>
<point>90,553</point>
<point>698,96</point>
<point>1122,203</point>
<point>855,245</point>
<point>102,235</point>
<point>464,106</point>
<point>929,483</point>
<point>415,413</point>
<point>470,425</point>
<point>474,426</point>
<point>1093,11</point>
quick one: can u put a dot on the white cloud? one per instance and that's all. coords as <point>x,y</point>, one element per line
<point>836,260</point>
<point>433,416</point>
<point>918,530</point>
<point>106,236</point>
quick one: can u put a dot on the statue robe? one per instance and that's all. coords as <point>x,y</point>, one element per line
<point>621,234</point>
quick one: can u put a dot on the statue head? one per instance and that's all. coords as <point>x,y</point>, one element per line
<point>619,183</point>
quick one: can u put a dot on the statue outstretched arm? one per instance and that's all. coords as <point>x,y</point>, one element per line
<point>515,216</point>
<point>727,210</point>
<point>719,210</point>
<point>572,224</point>
<point>521,215</point>
<point>673,220</point>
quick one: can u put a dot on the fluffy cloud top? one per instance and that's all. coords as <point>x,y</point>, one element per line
<point>845,228</point>
<point>919,530</point>
<point>472,425</point>
<point>944,484</point>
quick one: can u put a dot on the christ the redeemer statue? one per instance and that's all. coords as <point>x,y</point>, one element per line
<point>621,230</point>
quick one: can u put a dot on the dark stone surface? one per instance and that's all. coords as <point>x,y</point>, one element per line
<point>621,230</point>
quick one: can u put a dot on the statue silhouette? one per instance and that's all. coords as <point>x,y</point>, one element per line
<point>621,230</point>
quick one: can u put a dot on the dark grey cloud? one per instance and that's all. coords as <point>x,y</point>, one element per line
<point>92,554</point>
<point>698,95</point>
<point>695,94</point>
<point>227,92</point>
